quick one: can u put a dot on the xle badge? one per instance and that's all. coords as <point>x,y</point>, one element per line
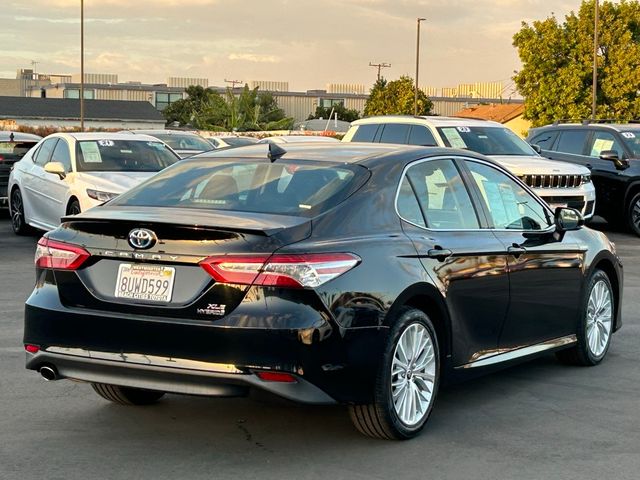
<point>212,309</point>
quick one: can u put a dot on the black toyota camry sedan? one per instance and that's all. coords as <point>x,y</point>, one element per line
<point>356,274</point>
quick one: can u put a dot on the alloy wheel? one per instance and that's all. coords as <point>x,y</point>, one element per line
<point>17,213</point>
<point>599,318</point>
<point>635,215</point>
<point>413,373</point>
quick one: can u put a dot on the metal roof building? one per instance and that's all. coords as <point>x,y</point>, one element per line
<point>65,113</point>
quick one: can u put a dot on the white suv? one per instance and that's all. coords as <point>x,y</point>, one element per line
<point>560,184</point>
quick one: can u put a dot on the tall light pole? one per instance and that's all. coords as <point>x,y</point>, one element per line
<point>82,65</point>
<point>595,62</point>
<point>415,95</point>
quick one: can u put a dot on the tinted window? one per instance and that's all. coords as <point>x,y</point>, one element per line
<point>44,152</point>
<point>289,188</point>
<point>572,141</point>
<point>632,140</point>
<point>122,156</point>
<point>420,135</point>
<point>601,141</point>
<point>365,133</point>
<point>239,141</point>
<point>544,140</point>
<point>442,196</point>
<point>486,140</point>
<point>407,204</point>
<point>510,205</point>
<point>61,154</point>
<point>184,142</point>
<point>394,133</point>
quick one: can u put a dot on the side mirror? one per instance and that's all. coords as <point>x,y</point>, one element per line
<point>567,219</point>
<point>536,148</point>
<point>55,168</point>
<point>612,156</point>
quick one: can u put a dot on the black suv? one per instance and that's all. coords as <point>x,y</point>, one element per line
<point>13,146</point>
<point>611,152</point>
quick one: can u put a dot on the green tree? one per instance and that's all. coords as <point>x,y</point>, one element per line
<point>396,98</point>
<point>557,59</point>
<point>344,113</point>
<point>202,109</point>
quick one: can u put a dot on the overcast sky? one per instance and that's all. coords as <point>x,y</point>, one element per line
<point>307,43</point>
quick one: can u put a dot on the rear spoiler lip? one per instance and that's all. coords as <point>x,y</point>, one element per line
<point>233,221</point>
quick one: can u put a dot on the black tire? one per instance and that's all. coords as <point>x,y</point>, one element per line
<point>379,419</point>
<point>633,214</point>
<point>127,395</point>
<point>581,353</point>
<point>18,223</point>
<point>74,208</point>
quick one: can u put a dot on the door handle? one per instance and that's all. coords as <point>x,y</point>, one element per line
<point>439,253</point>
<point>516,250</point>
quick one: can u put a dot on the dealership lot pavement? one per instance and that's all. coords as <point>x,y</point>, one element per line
<point>540,420</point>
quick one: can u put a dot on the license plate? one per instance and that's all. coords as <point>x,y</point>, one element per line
<point>147,283</point>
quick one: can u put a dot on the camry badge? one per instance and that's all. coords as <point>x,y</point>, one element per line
<point>142,238</point>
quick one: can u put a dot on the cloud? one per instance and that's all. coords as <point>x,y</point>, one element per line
<point>253,57</point>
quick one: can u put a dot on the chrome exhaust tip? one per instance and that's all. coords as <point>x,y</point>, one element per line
<point>48,373</point>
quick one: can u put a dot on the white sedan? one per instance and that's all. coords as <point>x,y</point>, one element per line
<point>68,173</point>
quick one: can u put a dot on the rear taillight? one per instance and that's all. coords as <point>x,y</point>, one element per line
<point>60,256</point>
<point>294,271</point>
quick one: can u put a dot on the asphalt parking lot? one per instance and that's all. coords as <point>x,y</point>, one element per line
<point>540,420</point>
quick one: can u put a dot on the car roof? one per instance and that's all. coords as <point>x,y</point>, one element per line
<point>5,136</point>
<point>300,139</point>
<point>366,154</point>
<point>78,136</point>
<point>619,127</point>
<point>432,121</point>
<point>163,132</point>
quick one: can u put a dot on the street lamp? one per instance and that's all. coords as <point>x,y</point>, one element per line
<point>82,65</point>
<point>595,62</point>
<point>415,96</point>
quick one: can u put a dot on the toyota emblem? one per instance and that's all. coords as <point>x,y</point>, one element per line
<point>142,238</point>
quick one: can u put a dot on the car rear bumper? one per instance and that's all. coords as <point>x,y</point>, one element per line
<point>329,363</point>
<point>167,374</point>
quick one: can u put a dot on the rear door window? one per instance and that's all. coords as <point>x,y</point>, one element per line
<point>444,202</point>
<point>544,140</point>
<point>420,135</point>
<point>394,133</point>
<point>365,133</point>
<point>572,141</point>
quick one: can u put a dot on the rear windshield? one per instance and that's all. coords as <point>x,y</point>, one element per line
<point>238,141</point>
<point>486,140</point>
<point>183,142</point>
<point>289,188</point>
<point>15,150</point>
<point>122,156</point>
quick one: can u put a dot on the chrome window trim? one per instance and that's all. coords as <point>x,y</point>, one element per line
<point>550,229</point>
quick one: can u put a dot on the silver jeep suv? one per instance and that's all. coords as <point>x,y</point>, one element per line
<point>560,184</point>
